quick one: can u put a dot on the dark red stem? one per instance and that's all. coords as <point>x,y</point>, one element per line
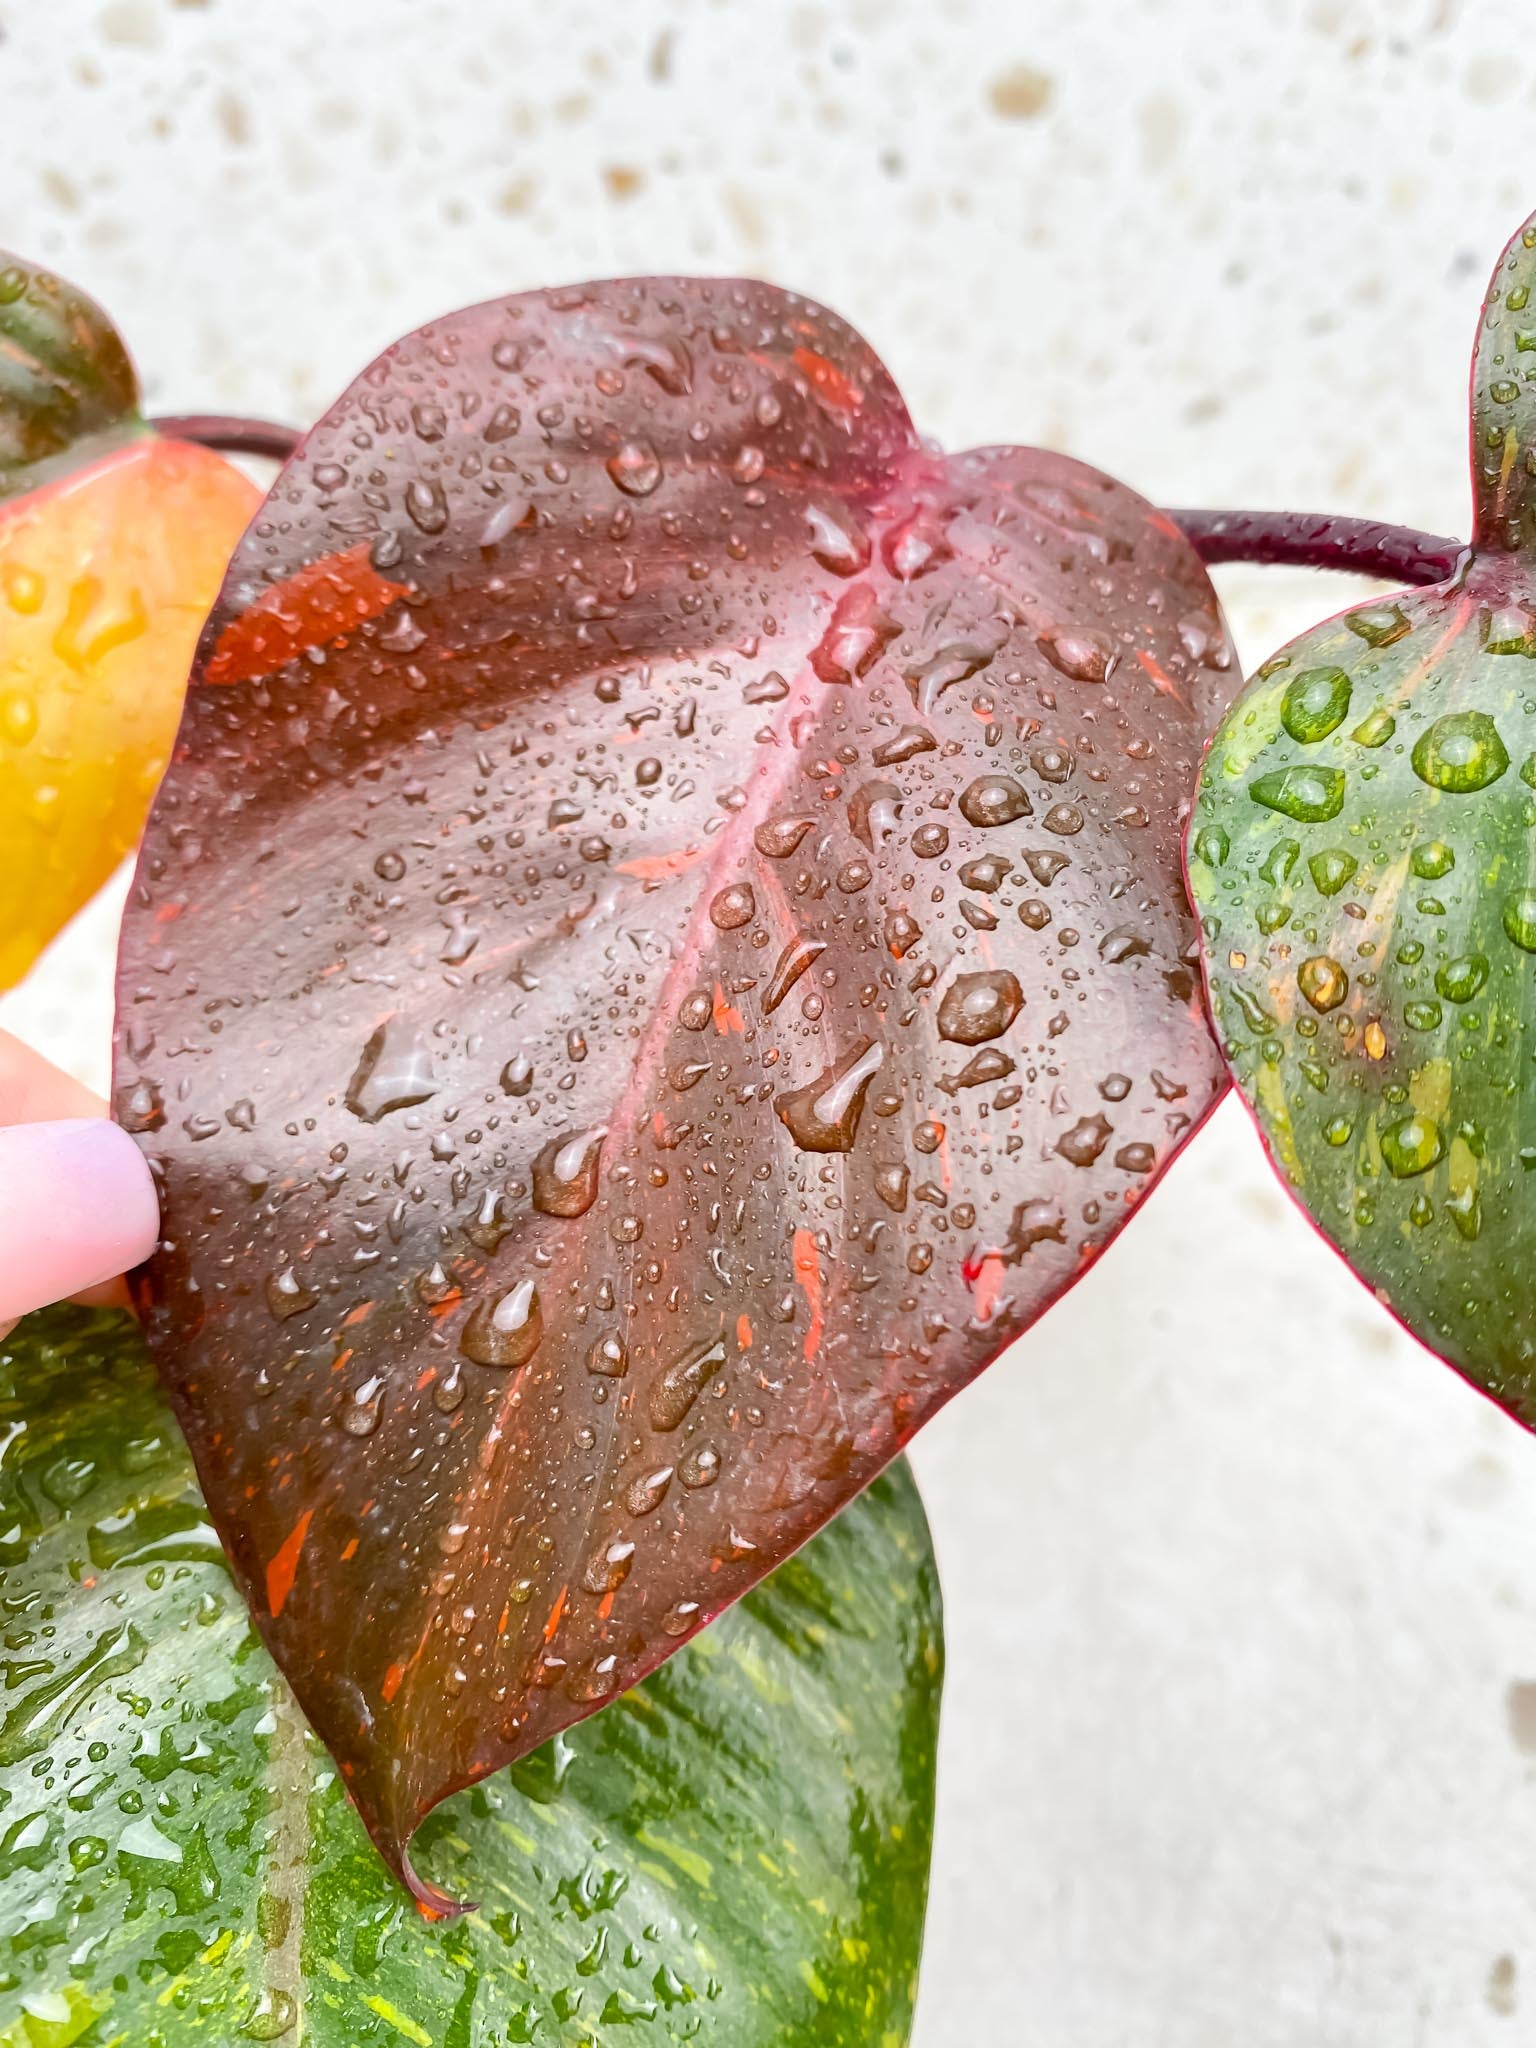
<point>1305,540</point>
<point>1323,540</point>
<point>230,436</point>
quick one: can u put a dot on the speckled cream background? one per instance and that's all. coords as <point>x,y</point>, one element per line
<point>1240,1741</point>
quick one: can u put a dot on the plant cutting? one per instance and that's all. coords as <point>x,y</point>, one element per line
<point>660,949</point>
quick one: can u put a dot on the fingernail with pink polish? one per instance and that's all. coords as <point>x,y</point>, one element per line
<point>77,1206</point>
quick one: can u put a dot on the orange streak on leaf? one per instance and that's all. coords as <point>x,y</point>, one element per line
<point>744,1333</point>
<point>394,1678</point>
<point>986,1286</point>
<point>727,1016</point>
<point>660,867</point>
<point>317,604</point>
<point>555,1613</point>
<point>831,386</point>
<point>1161,680</point>
<point>807,1265</point>
<point>284,1567</point>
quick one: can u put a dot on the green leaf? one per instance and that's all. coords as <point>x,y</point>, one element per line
<point>734,1853</point>
<point>1363,859</point>
<point>66,382</point>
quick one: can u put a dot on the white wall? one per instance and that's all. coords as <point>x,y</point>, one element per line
<point>1239,1581</point>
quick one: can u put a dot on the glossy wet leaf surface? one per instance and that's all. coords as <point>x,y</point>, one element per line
<point>661,951</point>
<point>1363,855</point>
<point>736,1853</point>
<point>112,547</point>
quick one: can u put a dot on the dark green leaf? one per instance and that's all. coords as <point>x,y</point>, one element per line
<point>1363,858</point>
<point>65,377</point>
<point>734,1853</point>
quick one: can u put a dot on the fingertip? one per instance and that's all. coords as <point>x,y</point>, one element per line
<point>77,1207</point>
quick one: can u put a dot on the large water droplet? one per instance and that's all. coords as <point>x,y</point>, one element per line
<point>824,1115</point>
<point>1323,982</point>
<point>635,468</point>
<point>565,1173</point>
<point>394,1072</point>
<point>976,1007</point>
<point>506,1328</point>
<point>1315,702</point>
<point>994,800</point>
<point>679,1386</point>
<point>1412,1145</point>
<point>1520,920</point>
<point>1310,795</point>
<point>1460,752</point>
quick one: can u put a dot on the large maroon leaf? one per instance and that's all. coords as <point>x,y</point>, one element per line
<point>661,950</point>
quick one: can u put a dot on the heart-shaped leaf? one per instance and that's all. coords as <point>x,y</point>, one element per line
<point>660,952</point>
<point>736,1854</point>
<point>112,547</point>
<point>1363,856</point>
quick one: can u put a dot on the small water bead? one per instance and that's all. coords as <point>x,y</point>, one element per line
<point>505,1329</point>
<point>1309,795</point>
<point>1520,920</point>
<point>979,1007</point>
<point>994,800</point>
<point>1323,982</point>
<point>679,1619</point>
<point>1422,1016</point>
<point>734,906</point>
<point>565,1172</point>
<point>824,1115</point>
<point>929,841</point>
<point>1460,752</point>
<point>1461,979</point>
<point>1316,703</point>
<point>1338,1130</point>
<point>1375,729</point>
<point>1411,1146</point>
